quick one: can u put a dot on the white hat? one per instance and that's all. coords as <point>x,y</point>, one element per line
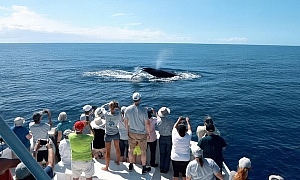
<point>19,121</point>
<point>98,112</point>
<point>67,132</point>
<point>275,177</point>
<point>163,112</point>
<point>197,151</point>
<point>244,163</point>
<point>87,107</point>
<point>97,123</point>
<point>136,96</point>
<point>62,116</point>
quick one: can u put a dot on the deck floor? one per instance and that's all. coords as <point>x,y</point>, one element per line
<point>116,172</point>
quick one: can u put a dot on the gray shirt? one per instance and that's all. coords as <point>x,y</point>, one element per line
<point>165,126</point>
<point>136,117</point>
<point>112,121</point>
<point>39,131</point>
<point>206,172</point>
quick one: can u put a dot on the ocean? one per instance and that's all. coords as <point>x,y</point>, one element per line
<point>252,92</point>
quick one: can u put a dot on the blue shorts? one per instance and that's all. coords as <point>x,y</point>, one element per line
<point>109,138</point>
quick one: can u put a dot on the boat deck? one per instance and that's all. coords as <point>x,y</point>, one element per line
<point>116,172</point>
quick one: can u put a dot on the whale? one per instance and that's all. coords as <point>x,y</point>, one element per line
<point>158,73</point>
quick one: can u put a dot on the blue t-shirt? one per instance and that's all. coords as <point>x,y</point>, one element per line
<point>64,125</point>
<point>22,132</point>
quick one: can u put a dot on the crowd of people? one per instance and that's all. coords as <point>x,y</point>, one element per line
<point>132,130</point>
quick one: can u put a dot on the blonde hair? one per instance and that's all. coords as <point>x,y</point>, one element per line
<point>241,174</point>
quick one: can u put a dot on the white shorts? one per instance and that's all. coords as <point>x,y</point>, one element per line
<point>83,166</point>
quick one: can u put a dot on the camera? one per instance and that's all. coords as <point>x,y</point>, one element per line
<point>43,141</point>
<point>116,105</point>
<point>182,118</point>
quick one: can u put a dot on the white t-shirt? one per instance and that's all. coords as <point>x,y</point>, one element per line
<point>39,131</point>
<point>180,146</point>
<point>65,151</point>
<point>136,116</point>
<point>122,130</point>
<point>206,172</point>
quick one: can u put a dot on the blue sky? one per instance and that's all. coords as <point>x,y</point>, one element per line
<point>263,22</point>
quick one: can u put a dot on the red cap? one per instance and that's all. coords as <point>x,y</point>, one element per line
<point>79,125</point>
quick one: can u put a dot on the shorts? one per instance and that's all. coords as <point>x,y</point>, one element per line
<point>42,154</point>
<point>179,167</point>
<point>83,166</point>
<point>134,138</point>
<point>109,138</point>
<point>124,147</point>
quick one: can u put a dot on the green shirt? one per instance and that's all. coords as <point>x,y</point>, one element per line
<point>81,146</point>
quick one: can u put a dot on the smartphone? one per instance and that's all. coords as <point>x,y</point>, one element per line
<point>116,105</point>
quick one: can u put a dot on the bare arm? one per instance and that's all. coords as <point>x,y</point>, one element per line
<point>51,156</point>
<point>147,124</point>
<point>219,175</point>
<point>188,123</point>
<point>7,164</point>
<point>49,117</point>
<point>59,136</point>
<point>177,122</point>
<point>29,136</point>
<point>126,124</point>
<point>188,178</point>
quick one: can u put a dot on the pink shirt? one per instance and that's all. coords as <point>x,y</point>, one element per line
<point>153,137</point>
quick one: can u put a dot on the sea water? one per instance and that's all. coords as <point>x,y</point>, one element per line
<point>252,92</point>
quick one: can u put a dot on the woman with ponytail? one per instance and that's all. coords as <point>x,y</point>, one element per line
<point>202,168</point>
<point>242,171</point>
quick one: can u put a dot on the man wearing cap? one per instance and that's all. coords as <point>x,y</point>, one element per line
<point>202,168</point>
<point>242,171</point>
<point>39,130</point>
<point>22,133</point>
<point>21,171</point>
<point>213,145</point>
<point>137,123</point>
<point>65,149</point>
<point>164,127</point>
<point>81,151</point>
<point>88,117</point>
<point>201,130</point>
